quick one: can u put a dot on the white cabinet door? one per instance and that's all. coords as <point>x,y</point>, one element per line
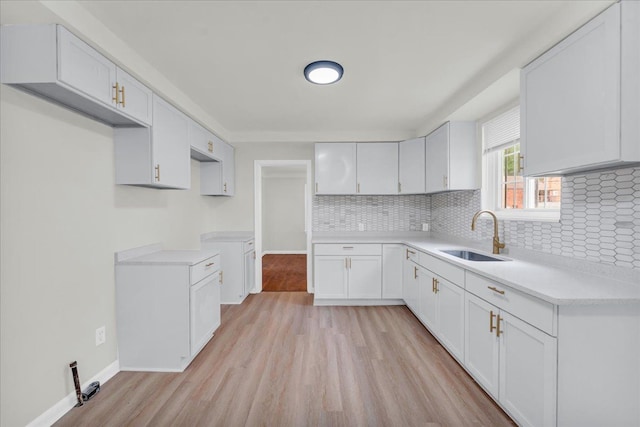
<point>202,304</point>
<point>411,286</point>
<point>392,259</point>
<point>437,159</point>
<point>134,98</point>
<point>428,300</point>
<point>365,277</point>
<point>228,170</point>
<point>377,168</point>
<point>83,68</point>
<point>528,363</point>
<point>205,146</point>
<point>451,317</point>
<point>481,344</point>
<point>570,108</point>
<point>335,168</point>
<point>411,169</point>
<point>170,150</point>
<point>330,277</point>
<point>249,272</point>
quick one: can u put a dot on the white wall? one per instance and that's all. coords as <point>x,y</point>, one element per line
<point>283,213</point>
<point>61,220</point>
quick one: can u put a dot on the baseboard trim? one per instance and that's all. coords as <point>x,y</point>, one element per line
<point>356,302</point>
<point>284,252</point>
<point>57,411</point>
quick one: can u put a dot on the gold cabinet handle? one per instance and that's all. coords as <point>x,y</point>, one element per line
<point>491,317</point>
<point>415,272</point>
<point>436,287</point>
<point>410,252</point>
<point>494,289</point>
<point>225,187</point>
<point>210,145</point>
<point>210,264</point>
<point>433,284</point>
<point>399,187</point>
<point>444,181</point>
<point>316,187</point>
<point>157,173</point>
<point>123,97</point>
<point>254,254</point>
<point>116,98</point>
<point>221,275</point>
<point>498,320</point>
<point>358,189</point>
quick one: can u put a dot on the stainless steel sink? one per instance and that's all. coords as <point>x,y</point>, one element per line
<point>470,255</point>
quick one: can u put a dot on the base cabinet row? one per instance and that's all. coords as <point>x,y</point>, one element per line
<point>512,360</point>
<point>358,271</point>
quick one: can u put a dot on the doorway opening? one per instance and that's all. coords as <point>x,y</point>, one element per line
<point>283,225</point>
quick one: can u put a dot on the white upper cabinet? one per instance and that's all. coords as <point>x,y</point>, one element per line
<point>218,178</point>
<point>133,98</point>
<point>49,61</point>
<point>205,146</point>
<point>377,168</point>
<point>335,168</point>
<point>452,158</point>
<point>83,68</point>
<point>411,169</point>
<point>157,156</point>
<point>580,101</point>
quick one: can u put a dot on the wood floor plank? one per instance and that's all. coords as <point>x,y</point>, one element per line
<point>279,361</point>
<point>284,273</point>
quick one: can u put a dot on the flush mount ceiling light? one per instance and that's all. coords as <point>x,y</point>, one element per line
<point>323,72</point>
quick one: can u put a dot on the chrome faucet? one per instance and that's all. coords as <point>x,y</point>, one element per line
<point>497,245</point>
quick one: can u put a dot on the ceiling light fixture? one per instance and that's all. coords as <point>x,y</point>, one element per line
<point>323,72</point>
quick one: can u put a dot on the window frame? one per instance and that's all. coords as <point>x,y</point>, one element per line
<point>492,180</point>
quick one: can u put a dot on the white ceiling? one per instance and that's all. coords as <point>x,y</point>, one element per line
<point>409,65</point>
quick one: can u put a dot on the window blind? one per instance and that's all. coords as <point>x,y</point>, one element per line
<point>501,130</point>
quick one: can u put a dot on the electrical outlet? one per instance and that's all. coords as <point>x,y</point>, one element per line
<point>101,335</point>
<point>425,226</point>
<point>360,227</point>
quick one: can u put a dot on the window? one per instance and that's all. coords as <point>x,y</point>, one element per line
<point>504,188</point>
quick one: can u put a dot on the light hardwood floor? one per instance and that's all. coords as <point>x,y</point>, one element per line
<point>279,361</point>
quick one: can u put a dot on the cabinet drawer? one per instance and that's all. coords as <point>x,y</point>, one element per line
<point>411,254</point>
<point>248,246</point>
<point>204,268</point>
<point>532,310</point>
<point>442,268</point>
<point>348,249</point>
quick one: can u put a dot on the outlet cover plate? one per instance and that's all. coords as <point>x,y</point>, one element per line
<point>101,335</point>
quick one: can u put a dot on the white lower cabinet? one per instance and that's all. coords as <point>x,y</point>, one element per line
<point>411,285</point>
<point>442,310</point>
<point>238,255</point>
<point>346,271</point>
<point>392,266</point>
<point>514,361</point>
<point>167,308</point>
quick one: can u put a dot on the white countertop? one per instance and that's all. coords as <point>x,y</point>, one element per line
<point>228,236</point>
<point>557,285</point>
<point>169,258</point>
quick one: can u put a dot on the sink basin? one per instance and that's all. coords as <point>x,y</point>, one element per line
<point>470,255</point>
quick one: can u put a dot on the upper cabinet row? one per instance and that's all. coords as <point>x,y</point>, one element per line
<point>153,140</point>
<point>580,101</point>
<point>444,160</point>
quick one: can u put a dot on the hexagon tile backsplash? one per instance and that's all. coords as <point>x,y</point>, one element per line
<point>599,218</point>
